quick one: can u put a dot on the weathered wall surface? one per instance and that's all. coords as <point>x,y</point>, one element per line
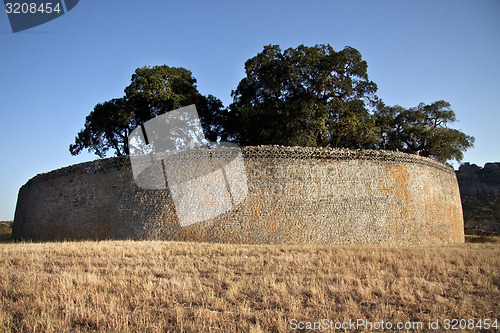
<point>295,195</point>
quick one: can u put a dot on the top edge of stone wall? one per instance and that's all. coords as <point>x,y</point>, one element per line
<point>267,151</point>
<point>342,154</point>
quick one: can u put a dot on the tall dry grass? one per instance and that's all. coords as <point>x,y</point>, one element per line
<point>127,286</point>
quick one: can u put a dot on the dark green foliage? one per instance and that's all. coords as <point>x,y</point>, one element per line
<point>315,96</point>
<point>107,126</point>
<point>308,96</point>
<point>153,91</point>
<point>422,130</point>
<point>305,96</point>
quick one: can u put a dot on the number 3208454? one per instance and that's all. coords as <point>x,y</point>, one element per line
<point>32,8</point>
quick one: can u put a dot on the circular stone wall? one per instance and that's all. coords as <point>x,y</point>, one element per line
<point>295,195</point>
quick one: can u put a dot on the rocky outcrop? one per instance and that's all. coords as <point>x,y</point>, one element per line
<point>476,181</point>
<point>480,193</point>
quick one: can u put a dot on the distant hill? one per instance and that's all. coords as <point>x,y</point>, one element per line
<point>480,191</point>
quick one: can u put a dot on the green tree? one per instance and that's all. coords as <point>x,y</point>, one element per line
<point>309,96</point>
<point>315,96</point>
<point>152,91</point>
<point>422,130</point>
<point>106,127</point>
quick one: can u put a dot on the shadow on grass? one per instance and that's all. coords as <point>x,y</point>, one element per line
<point>482,239</point>
<point>471,236</point>
<point>5,239</point>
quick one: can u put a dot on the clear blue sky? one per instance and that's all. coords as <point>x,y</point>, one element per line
<point>417,51</point>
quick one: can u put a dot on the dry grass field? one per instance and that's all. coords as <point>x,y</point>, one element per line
<point>149,286</point>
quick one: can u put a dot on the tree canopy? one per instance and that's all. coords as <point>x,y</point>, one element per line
<point>315,96</point>
<point>422,130</point>
<point>307,96</point>
<point>152,91</point>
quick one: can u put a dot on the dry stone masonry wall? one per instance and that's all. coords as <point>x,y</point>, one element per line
<point>296,195</point>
